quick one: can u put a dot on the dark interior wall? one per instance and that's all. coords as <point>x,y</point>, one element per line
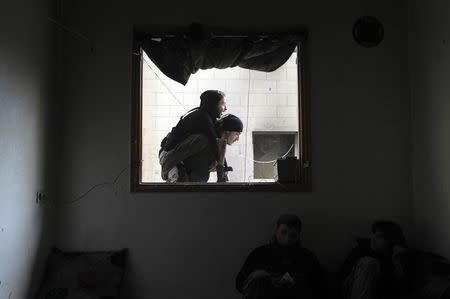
<point>187,245</point>
<point>27,49</point>
<point>430,70</point>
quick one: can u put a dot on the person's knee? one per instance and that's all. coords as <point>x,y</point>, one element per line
<point>261,283</point>
<point>261,279</point>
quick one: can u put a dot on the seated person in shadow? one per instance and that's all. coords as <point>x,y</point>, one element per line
<point>283,268</point>
<point>375,268</point>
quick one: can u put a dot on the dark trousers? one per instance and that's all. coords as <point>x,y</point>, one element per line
<point>263,288</point>
<point>197,166</point>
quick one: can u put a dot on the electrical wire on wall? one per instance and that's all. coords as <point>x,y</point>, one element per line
<point>163,83</point>
<point>112,184</point>
<point>246,126</point>
<point>73,32</point>
<point>274,161</point>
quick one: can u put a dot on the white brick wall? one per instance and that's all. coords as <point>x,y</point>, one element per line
<point>277,100</point>
<point>205,84</point>
<point>271,100</point>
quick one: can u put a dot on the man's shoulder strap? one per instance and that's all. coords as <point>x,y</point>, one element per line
<point>189,112</point>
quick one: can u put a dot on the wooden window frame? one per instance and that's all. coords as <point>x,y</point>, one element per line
<point>304,139</point>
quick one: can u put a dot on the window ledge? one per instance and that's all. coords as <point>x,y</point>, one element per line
<point>222,187</point>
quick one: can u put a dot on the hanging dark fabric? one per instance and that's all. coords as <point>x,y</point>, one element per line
<point>180,56</point>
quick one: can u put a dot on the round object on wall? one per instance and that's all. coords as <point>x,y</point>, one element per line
<point>368,31</point>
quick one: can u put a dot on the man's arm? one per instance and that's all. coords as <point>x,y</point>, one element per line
<point>221,150</point>
<point>207,127</point>
<point>251,264</point>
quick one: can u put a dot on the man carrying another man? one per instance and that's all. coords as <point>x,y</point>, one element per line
<point>196,145</point>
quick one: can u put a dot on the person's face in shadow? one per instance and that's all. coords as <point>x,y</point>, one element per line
<point>286,235</point>
<point>380,244</point>
<point>231,136</point>
<point>222,106</point>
